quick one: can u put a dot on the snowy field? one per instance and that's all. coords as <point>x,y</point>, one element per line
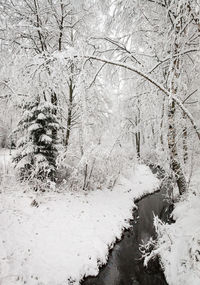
<point>68,235</point>
<point>179,243</point>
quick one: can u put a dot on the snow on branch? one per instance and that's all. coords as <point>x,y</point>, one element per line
<point>152,81</point>
<point>174,56</point>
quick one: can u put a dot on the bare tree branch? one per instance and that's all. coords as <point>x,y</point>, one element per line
<point>155,83</point>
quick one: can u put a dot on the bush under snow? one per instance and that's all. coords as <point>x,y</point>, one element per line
<point>178,244</point>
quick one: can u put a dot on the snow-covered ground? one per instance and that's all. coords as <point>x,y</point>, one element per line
<point>69,235</point>
<point>179,243</point>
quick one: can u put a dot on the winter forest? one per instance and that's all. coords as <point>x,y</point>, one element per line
<point>99,142</point>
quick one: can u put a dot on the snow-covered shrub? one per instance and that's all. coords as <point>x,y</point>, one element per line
<point>4,137</point>
<point>37,149</point>
<point>7,177</point>
<point>99,167</point>
<point>155,156</point>
<point>149,252</point>
<point>178,244</point>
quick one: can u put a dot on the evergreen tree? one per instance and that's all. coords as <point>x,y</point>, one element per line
<point>38,148</point>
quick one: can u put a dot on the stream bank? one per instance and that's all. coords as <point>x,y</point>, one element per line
<point>124,266</point>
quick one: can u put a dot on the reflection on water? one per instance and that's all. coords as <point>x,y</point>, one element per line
<point>124,265</point>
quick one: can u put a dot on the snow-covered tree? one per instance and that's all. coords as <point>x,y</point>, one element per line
<point>160,38</point>
<point>58,48</point>
<point>37,149</point>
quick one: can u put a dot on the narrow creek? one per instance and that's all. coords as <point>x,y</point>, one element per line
<point>124,266</point>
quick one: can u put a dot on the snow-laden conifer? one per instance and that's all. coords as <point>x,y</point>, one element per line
<point>37,146</point>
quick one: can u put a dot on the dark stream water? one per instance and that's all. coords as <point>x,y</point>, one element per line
<point>124,266</point>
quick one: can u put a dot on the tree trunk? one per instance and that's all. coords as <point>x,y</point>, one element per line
<point>174,88</point>
<point>137,139</point>
<point>137,135</point>
<point>161,125</point>
<point>71,91</point>
<point>185,142</point>
<point>174,160</point>
<point>54,101</point>
<point>69,117</point>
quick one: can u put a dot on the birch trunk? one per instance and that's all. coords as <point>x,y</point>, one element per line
<point>174,75</point>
